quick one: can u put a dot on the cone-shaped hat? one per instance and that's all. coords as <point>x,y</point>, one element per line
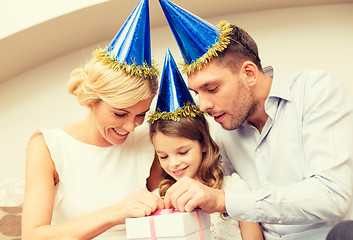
<point>130,49</point>
<point>198,40</point>
<point>174,98</point>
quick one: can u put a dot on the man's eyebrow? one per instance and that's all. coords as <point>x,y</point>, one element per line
<point>202,86</point>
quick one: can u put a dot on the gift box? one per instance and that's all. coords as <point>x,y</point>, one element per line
<point>170,224</point>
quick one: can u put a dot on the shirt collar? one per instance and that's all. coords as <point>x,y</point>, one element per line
<point>280,87</point>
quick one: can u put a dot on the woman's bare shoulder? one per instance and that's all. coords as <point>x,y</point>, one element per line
<point>36,138</point>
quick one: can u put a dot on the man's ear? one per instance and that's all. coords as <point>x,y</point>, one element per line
<point>250,72</point>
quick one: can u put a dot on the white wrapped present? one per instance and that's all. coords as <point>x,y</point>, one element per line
<point>169,224</point>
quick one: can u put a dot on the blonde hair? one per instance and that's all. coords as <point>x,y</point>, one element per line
<point>96,82</point>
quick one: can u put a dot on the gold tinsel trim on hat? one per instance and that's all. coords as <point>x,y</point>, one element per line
<point>189,110</point>
<point>144,71</point>
<point>224,40</point>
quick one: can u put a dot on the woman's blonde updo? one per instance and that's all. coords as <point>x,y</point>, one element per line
<point>96,82</point>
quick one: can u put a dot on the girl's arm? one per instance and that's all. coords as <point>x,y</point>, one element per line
<point>250,231</point>
<point>41,178</point>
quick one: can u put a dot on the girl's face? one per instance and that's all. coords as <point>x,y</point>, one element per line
<point>178,156</point>
<point>114,124</point>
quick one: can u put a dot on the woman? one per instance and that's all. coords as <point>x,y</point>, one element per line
<point>84,179</point>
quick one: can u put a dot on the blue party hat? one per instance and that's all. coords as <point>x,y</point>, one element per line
<point>174,98</point>
<point>198,40</point>
<point>130,49</point>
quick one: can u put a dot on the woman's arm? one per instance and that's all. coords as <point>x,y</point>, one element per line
<point>41,178</point>
<point>250,231</point>
<point>155,175</point>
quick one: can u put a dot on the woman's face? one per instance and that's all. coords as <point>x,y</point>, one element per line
<point>178,156</point>
<point>115,124</point>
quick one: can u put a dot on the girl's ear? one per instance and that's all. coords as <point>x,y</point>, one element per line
<point>204,148</point>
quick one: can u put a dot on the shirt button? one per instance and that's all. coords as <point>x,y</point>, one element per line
<point>258,150</point>
<point>280,222</point>
<point>242,216</point>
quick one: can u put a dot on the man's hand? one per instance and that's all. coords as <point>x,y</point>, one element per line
<point>187,194</point>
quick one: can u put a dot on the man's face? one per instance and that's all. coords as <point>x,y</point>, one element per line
<point>223,94</point>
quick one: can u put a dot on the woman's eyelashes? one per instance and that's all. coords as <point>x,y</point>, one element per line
<point>142,115</point>
<point>120,115</point>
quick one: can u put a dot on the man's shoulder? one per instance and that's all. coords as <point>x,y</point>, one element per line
<point>312,77</point>
<point>313,84</point>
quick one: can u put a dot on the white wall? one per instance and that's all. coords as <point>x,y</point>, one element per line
<point>291,39</point>
<point>40,10</point>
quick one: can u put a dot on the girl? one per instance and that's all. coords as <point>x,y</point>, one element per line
<point>184,148</point>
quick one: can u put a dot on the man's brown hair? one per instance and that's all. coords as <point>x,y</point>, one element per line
<point>241,48</point>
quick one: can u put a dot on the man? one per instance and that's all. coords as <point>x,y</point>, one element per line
<point>289,136</point>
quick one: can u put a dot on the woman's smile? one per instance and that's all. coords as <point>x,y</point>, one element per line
<point>120,134</point>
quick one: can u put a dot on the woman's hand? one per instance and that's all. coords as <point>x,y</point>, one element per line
<point>139,204</point>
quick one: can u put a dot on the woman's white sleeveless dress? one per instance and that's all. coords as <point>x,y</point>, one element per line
<point>92,178</point>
